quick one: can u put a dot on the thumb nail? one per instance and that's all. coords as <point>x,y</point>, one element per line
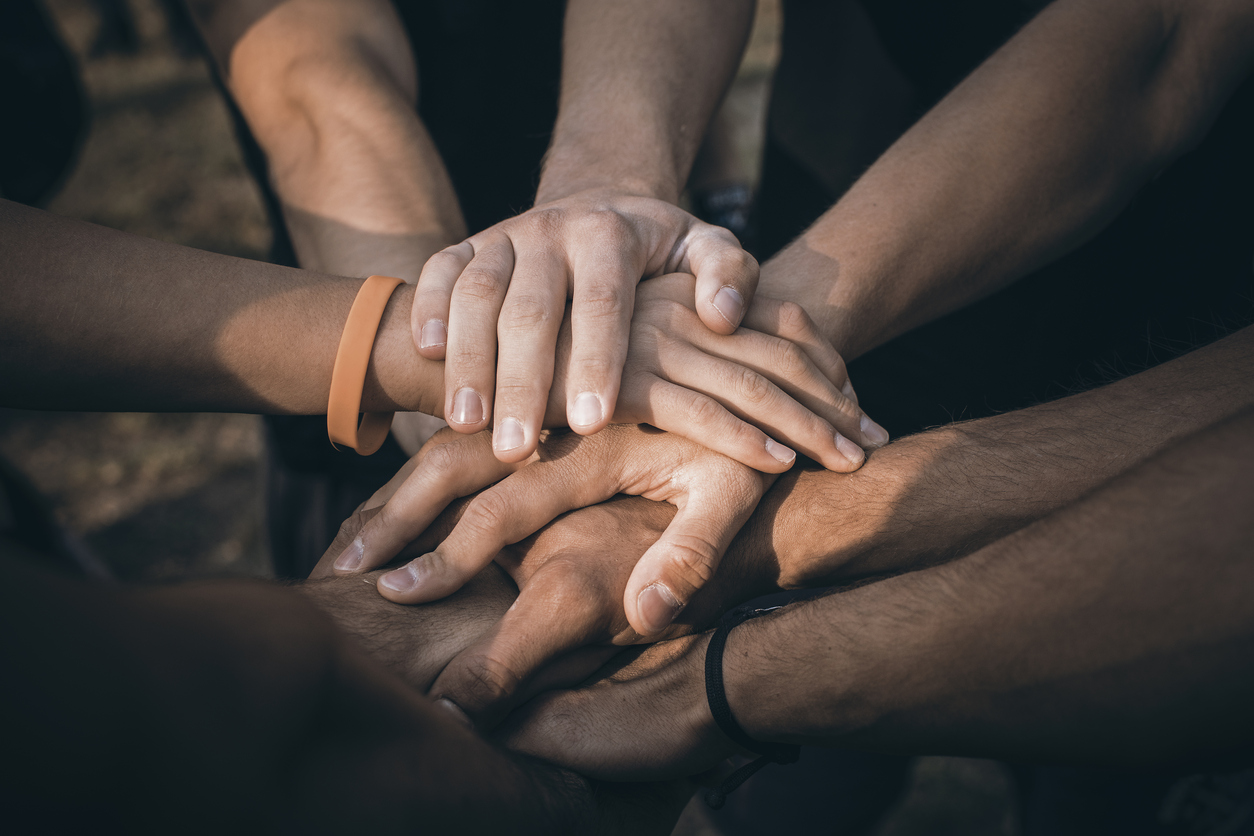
<point>658,607</point>
<point>452,710</point>
<point>729,303</point>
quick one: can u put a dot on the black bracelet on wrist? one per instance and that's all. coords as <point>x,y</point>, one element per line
<point>717,697</point>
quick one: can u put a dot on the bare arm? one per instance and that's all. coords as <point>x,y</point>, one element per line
<point>329,89</point>
<point>930,497</point>
<point>98,319</point>
<point>1030,156</point>
<point>1116,630</point>
<point>640,83</point>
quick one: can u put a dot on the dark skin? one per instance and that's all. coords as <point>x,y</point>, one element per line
<point>245,702</point>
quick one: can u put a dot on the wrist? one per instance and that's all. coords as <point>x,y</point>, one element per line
<point>567,173</point>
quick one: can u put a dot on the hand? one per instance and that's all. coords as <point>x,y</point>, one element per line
<point>713,494</point>
<point>649,720</point>
<point>775,373</point>
<point>502,294</point>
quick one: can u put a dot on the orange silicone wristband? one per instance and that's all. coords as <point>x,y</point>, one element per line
<point>348,377</point>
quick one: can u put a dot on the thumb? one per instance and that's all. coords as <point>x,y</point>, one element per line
<point>727,278</point>
<point>683,559</point>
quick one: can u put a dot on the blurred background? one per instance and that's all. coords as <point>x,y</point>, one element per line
<point>173,496</point>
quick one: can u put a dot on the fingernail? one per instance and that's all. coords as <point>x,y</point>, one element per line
<point>847,391</point>
<point>467,407</point>
<point>508,434</point>
<point>434,334</point>
<point>874,433</point>
<point>454,711</point>
<point>850,450</point>
<point>402,580</point>
<point>729,303</point>
<point>351,557</point>
<point>658,607</point>
<point>585,411</point>
<point>779,452</point>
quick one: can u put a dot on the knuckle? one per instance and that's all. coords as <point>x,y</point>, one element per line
<point>602,301</point>
<point>489,680</point>
<point>794,321</point>
<point>706,412</point>
<point>693,560</point>
<point>605,225</point>
<point>443,458</point>
<point>525,312</point>
<point>788,359</point>
<point>479,284</point>
<point>487,514</point>
<point>752,387</point>
<point>447,259</point>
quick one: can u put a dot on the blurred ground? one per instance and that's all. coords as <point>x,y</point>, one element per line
<point>174,496</point>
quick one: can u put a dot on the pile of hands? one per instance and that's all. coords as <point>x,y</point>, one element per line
<point>598,347</point>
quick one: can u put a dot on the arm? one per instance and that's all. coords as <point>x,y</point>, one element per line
<point>640,83</point>
<point>329,88</point>
<point>1115,630</point>
<point>920,501</point>
<point>98,319</point>
<point>934,496</point>
<point>1030,156</point>
<point>240,701</point>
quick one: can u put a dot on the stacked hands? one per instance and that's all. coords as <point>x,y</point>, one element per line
<point>677,389</point>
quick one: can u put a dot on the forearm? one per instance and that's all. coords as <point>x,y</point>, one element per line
<point>329,89</point>
<point>96,319</point>
<point>1117,629</point>
<point>934,496</point>
<point>1031,155</point>
<point>640,83</point>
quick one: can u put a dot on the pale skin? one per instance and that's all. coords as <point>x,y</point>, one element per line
<point>605,216</point>
<point>329,89</point>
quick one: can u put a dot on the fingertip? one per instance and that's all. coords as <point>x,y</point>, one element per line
<point>350,560</point>
<point>399,584</point>
<point>783,456</point>
<point>851,456</point>
<point>467,413</point>
<point>656,609</point>
<point>432,339</point>
<point>875,435</point>
<point>725,311</point>
<point>586,413</point>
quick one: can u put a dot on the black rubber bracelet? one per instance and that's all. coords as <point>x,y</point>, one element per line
<point>722,713</point>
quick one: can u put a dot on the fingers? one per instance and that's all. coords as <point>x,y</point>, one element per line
<point>727,277</point>
<point>470,356</point>
<point>687,554</point>
<point>429,314</point>
<point>506,513</point>
<point>601,308</point>
<point>439,475</point>
<point>702,419</point>
<point>553,614</point>
<point>774,380</point>
<point>527,332</point>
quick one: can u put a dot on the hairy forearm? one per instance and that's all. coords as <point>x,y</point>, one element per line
<point>944,493</point>
<point>329,89</point>
<point>1031,155</point>
<point>1118,629</point>
<point>640,83</point>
